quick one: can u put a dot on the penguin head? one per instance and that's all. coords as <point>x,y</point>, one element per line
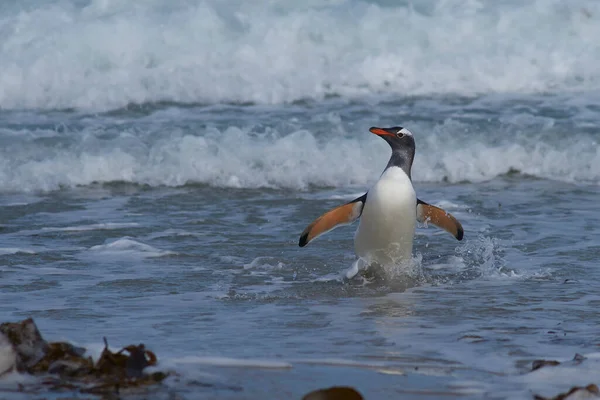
<point>402,142</point>
<point>399,138</point>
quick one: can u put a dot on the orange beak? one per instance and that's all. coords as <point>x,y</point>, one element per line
<point>380,132</point>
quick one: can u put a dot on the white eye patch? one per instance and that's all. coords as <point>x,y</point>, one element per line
<point>405,131</point>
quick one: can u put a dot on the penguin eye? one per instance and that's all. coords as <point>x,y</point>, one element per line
<point>399,134</point>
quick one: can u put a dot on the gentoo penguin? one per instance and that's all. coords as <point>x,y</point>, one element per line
<point>388,212</point>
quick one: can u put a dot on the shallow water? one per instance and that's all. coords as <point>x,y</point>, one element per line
<point>170,215</point>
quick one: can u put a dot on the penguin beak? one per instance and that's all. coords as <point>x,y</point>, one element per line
<point>381,132</point>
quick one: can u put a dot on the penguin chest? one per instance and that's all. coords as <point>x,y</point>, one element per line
<point>387,224</point>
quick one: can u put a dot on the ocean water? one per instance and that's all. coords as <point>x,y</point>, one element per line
<point>159,160</point>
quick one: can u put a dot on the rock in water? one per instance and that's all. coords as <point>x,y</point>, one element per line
<point>334,393</point>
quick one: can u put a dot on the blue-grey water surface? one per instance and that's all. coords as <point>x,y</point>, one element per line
<point>154,191</point>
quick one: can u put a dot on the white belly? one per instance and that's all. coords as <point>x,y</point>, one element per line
<point>387,224</point>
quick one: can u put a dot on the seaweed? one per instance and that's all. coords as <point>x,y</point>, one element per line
<point>537,364</point>
<point>590,389</point>
<point>63,366</point>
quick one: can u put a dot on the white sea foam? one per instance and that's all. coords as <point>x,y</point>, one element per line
<point>128,247</point>
<point>264,263</point>
<point>109,53</point>
<point>345,197</point>
<point>296,160</point>
<point>552,380</point>
<point>340,362</point>
<point>331,277</point>
<point>8,356</point>
<point>234,362</point>
<point>92,227</point>
<point>15,250</point>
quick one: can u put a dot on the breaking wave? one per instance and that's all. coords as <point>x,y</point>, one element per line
<point>299,160</point>
<point>105,54</point>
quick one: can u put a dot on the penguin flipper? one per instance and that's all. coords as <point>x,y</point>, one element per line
<point>342,215</point>
<point>440,218</point>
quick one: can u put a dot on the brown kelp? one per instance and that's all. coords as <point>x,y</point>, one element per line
<point>63,366</point>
